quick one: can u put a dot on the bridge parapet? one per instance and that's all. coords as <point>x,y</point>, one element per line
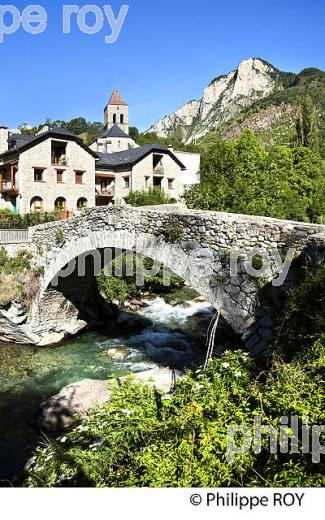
<point>14,236</point>
<point>210,229</point>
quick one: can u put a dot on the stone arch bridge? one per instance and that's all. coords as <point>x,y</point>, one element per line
<point>227,258</point>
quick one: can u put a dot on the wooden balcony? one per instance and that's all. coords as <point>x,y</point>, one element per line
<point>159,170</point>
<point>8,179</point>
<point>105,192</point>
<point>8,187</point>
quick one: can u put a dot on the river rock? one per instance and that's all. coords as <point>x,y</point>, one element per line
<point>200,299</point>
<point>58,412</point>
<point>138,303</point>
<point>186,305</point>
<point>132,322</point>
<point>118,353</point>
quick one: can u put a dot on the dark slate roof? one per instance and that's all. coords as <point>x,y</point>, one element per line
<point>20,139</point>
<point>27,142</point>
<point>115,131</point>
<point>132,156</point>
<point>61,130</point>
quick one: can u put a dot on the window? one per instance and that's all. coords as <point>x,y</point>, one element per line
<point>38,174</point>
<point>82,203</point>
<point>60,204</point>
<point>157,182</point>
<point>59,176</point>
<point>114,119</point>
<point>122,119</point>
<point>79,177</point>
<point>36,205</point>
<point>127,182</point>
<point>171,184</point>
<point>59,153</point>
<point>147,179</point>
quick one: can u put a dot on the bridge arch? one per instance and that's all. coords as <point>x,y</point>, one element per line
<point>171,256</point>
<point>195,245</point>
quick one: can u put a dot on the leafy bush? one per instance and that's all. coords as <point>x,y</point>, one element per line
<point>11,220</point>
<point>244,177</point>
<point>114,288</point>
<point>303,323</point>
<point>151,197</point>
<point>125,286</point>
<point>142,439</point>
<point>18,280</point>
<point>174,233</point>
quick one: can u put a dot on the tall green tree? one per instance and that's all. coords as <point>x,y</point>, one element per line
<point>307,127</point>
<point>244,177</point>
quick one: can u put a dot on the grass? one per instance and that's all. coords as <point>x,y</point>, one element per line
<point>18,279</point>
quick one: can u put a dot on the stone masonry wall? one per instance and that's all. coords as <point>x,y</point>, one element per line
<point>49,190</point>
<point>197,245</point>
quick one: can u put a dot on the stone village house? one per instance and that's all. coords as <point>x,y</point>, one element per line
<point>56,170</point>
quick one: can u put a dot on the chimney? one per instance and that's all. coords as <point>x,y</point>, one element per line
<point>4,135</point>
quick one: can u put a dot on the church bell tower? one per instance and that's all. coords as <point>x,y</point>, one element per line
<point>117,112</point>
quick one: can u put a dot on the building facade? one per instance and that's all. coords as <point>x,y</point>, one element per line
<point>141,168</point>
<point>55,170</point>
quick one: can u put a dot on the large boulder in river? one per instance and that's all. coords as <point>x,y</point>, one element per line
<point>58,412</point>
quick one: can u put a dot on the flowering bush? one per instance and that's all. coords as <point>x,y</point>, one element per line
<point>142,438</point>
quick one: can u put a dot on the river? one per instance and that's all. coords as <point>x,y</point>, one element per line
<point>29,375</point>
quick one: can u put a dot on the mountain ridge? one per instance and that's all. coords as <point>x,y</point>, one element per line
<point>254,85</point>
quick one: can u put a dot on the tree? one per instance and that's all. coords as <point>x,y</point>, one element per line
<point>151,197</point>
<point>307,127</point>
<point>243,177</point>
<point>95,127</point>
<point>133,132</point>
<point>77,126</point>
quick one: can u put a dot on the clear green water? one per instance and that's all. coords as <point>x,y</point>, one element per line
<point>30,375</point>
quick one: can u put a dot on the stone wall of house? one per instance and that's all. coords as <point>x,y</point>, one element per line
<point>4,134</point>
<point>113,144</point>
<point>142,178</point>
<point>49,190</point>
<point>191,175</point>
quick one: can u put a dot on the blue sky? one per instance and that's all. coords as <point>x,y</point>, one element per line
<point>167,51</point>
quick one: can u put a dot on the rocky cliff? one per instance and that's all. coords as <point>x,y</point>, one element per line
<point>223,98</point>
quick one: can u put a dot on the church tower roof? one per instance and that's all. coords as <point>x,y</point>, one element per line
<point>116,98</point>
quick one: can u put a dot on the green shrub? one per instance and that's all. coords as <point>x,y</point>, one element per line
<point>11,220</point>
<point>151,197</point>
<point>59,237</point>
<point>125,286</point>
<point>243,176</point>
<point>18,280</point>
<point>174,233</point>
<point>141,439</point>
<point>114,288</point>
